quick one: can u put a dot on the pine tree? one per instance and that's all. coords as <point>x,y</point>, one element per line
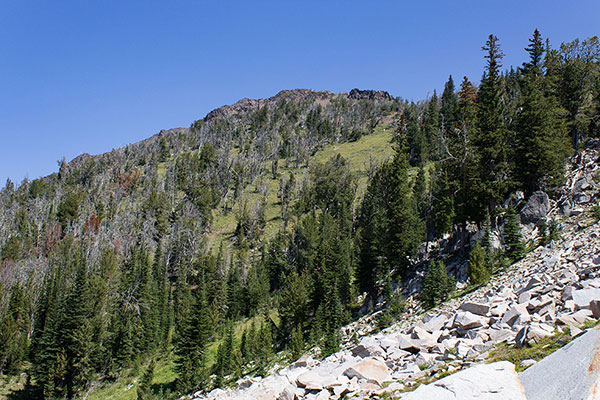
<point>432,126</point>
<point>296,344</point>
<point>477,270</point>
<point>190,346</point>
<point>542,144</point>
<point>405,230</point>
<point>515,249</point>
<point>492,136</point>
<point>437,286</point>
<point>443,203</point>
<point>294,304</point>
<point>449,109</point>
<point>144,389</point>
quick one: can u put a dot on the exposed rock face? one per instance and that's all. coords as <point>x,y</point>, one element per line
<point>381,95</point>
<point>245,105</point>
<point>572,372</point>
<point>535,209</point>
<point>486,382</point>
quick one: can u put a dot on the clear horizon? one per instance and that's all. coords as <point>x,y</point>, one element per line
<point>86,78</point>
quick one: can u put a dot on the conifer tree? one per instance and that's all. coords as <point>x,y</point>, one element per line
<point>449,109</point>
<point>296,344</point>
<point>541,144</point>
<point>492,136</point>
<point>477,269</point>
<point>437,286</point>
<point>515,249</point>
<point>144,389</point>
<point>405,229</point>
<point>191,344</point>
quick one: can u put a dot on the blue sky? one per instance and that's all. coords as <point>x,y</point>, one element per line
<point>89,76</point>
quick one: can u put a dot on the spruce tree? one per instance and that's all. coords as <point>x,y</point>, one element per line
<point>296,344</point>
<point>541,143</point>
<point>492,136</point>
<point>449,109</point>
<point>515,249</point>
<point>404,228</point>
<point>437,285</point>
<point>477,270</point>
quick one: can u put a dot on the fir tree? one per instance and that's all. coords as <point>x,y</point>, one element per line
<point>477,270</point>
<point>437,285</point>
<point>541,144</point>
<point>296,344</point>
<point>492,136</point>
<point>515,249</point>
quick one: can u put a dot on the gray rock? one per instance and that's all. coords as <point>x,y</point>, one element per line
<point>373,371</point>
<point>467,320</point>
<point>517,313</point>
<point>407,344</point>
<point>571,372</point>
<point>536,209</point>
<point>582,298</point>
<point>310,381</point>
<point>287,394</point>
<point>475,308</point>
<point>595,308</point>
<point>436,323</point>
<point>485,382</point>
<point>363,351</point>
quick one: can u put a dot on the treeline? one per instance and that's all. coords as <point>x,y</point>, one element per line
<point>106,264</point>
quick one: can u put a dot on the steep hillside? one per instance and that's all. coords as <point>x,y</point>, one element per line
<point>302,221</point>
<point>523,314</point>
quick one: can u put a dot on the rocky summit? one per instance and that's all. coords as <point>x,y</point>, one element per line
<point>552,292</point>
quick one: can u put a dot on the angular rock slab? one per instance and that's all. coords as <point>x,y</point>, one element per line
<point>373,371</point>
<point>497,381</point>
<point>572,372</point>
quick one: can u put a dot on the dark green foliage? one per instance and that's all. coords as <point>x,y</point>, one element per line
<point>542,145</point>
<point>492,139</point>
<point>68,209</point>
<point>477,271</point>
<point>395,308</point>
<point>449,109</point>
<point>11,249</point>
<point>404,228</point>
<point>14,329</point>
<point>515,249</point>
<point>144,389</point>
<point>443,203</point>
<point>437,286</point>
<point>195,331</point>
<point>390,226</point>
<point>294,303</point>
<point>296,344</point>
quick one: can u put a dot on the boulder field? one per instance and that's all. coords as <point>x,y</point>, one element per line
<point>555,288</point>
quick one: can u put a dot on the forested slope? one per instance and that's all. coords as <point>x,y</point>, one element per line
<point>258,228</point>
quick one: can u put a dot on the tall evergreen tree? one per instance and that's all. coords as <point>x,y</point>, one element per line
<point>541,143</point>
<point>449,109</point>
<point>492,136</point>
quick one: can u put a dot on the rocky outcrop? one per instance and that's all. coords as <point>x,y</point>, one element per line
<point>572,372</point>
<point>536,209</point>
<point>245,105</point>
<point>486,382</point>
<point>379,95</point>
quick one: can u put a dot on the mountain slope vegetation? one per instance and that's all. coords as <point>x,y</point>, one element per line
<point>259,228</point>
